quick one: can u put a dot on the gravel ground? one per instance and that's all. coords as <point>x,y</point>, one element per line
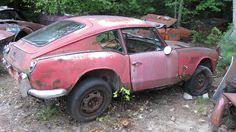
<point>155,110</point>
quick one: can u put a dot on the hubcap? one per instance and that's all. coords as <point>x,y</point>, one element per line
<point>92,102</point>
<point>201,81</point>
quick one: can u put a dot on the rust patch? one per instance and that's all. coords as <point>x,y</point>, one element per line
<point>40,84</point>
<point>56,83</point>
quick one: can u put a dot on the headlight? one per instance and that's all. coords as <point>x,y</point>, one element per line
<point>14,28</point>
<point>33,63</point>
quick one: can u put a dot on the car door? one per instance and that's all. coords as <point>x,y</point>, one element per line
<point>150,67</point>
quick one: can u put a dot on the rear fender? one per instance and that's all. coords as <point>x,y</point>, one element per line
<point>218,111</point>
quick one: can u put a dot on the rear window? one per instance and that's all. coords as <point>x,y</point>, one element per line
<point>53,32</point>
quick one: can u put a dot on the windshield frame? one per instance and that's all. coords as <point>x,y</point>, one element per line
<point>81,25</point>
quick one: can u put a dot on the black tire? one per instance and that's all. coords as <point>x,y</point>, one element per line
<point>200,82</point>
<point>89,99</point>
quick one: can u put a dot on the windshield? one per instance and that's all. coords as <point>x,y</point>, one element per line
<point>53,32</point>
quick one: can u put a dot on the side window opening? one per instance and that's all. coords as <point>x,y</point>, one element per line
<point>110,40</point>
<point>139,40</point>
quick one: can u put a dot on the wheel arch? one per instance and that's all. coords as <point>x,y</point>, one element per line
<point>207,62</point>
<point>108,75</point>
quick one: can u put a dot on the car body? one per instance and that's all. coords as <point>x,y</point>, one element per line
<point>13,21</point>
<point>71,56</point>
<point>225,99</point>
<point>169,31</point>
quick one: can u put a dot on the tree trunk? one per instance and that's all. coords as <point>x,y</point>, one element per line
<point>180,12</point>
<point>175,15</point>
<point>234,16</point>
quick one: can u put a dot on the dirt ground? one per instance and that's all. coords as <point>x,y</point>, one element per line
<point>156,110</point>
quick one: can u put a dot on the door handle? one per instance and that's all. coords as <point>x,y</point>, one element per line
<point>137,63</point>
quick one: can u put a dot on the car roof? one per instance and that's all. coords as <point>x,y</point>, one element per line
<point>106,22</point>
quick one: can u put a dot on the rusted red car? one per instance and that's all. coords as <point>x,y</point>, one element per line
<point>13,21</point>
<point>169,31</point>
<point>87,58</point>
<point>225,97</point>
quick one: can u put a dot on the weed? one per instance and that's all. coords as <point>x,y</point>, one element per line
<point>46,112</point>
<point>125,92</point>
<point>103,118</point>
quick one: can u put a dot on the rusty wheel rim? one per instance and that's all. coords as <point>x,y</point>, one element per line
<point>201,82</point>
<point>91,102</point>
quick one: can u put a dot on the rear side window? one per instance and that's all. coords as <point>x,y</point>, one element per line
<point>53,32</point>
<point>110,40</point>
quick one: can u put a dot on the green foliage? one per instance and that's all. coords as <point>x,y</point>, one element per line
<point>198,37</point>
<point>46,112</point>
<point>212,38</point>
<point>124,7</point>
<point>227,48</point>
<point>193,8</point>
<point>124,92</point>
<point>55,6</point>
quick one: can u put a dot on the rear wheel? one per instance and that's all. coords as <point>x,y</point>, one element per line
<point>200,82</point>
<point>89,99</point>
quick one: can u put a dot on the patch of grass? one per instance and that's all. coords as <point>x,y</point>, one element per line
<point>202,101</point>
<point>103,119</point>
<point>46,112</point>
<point>202,105</point>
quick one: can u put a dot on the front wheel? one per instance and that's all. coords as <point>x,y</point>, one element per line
<point>200,82</point>
<point>89,99</point>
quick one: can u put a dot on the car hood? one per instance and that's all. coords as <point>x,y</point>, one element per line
<point>166,20</point>
<point>177,44</point>
<point>31,25</point>
<point>4,35</point>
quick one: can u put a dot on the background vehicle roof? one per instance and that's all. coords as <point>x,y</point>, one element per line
<point>5,8</point>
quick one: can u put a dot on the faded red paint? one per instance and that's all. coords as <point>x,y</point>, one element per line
<point>170,32</point>
<point>63,62</point>
<point>153,69</point>
<point>75,65</point>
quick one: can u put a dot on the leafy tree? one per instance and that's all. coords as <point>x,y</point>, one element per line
<point>189,9</point>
